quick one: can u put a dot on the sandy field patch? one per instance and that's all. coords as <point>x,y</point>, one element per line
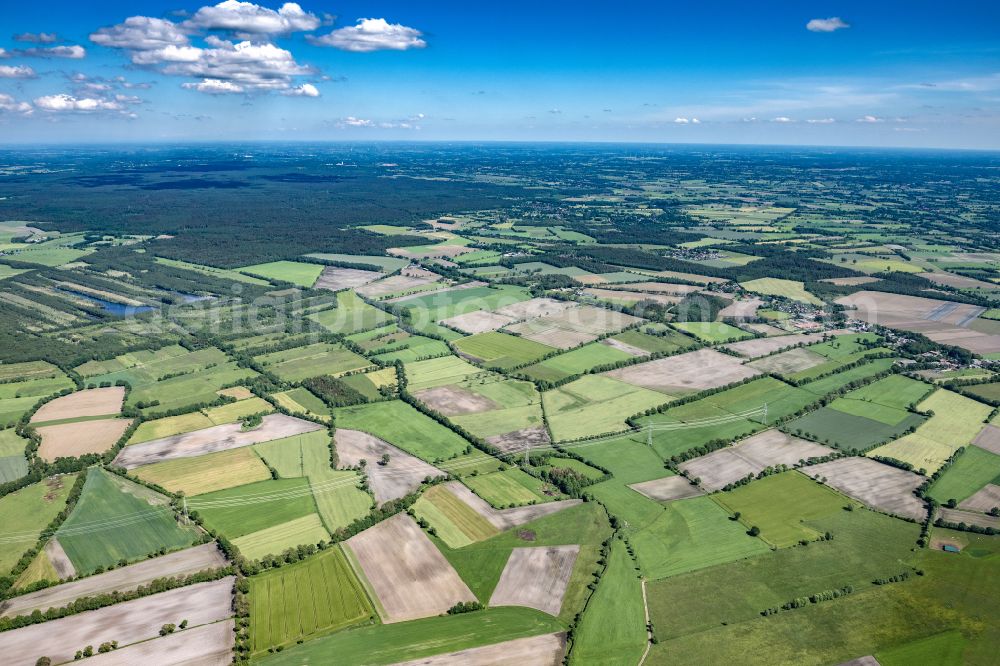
<point>199,558</point>
<point>631,296</point>
<point>517,440</point>
<point>547,333</point>
<point>745,309</point>
<point>851,281</point>
<point>70,440</point>
<point>480,321</point>
<point>535,307</point>
<point>395,284</point>
<point>434,251</point>
<point>879,486</point>
<point>988,439</point>
<point>661,288</point>
<point>335,279</point>
<point>544,650</point>
<point>60,562</point>
<point>402,475</point>
<point>750,456</point>
<point>624,347</point>
<point>127,623</point>
<point>536,578</point>
<point>788,362</point>
<point>573,326</point>
<point>969,518</point>
<point>504,519</point>
<point>207,645</point>
<point>763,346</point>
<point>693,371</point>
<point>91,402</point>
<point>452,400</point>
<point>408,574</point>
<point>667,489</point>
<point>210,440</point>
<point>959,281</point>
<point>984,500</point>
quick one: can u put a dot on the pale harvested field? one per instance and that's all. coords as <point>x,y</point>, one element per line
<point>504,519</point>
<point>690,277</point>
<point>693,371</point>
<point>969,518</point>
<point>544,650</point>
<point>535,307</point>
<point>881,487</point>
<point>395,284</point>
<point>788,362</point>
<point>763,346</point>
<point>546,332</point>
<point>988,439</point>
<point>984,500</point>
<point>480,321</point>
<point>518,439</point>
<point>335,279</point>
<point>199,558</point>
<point>572,326</point>
<point>750,456</point>
<point>210,440</point>
<point>127,623</point>
<point>959,281</point>
<point>667,489</point>
<point>402,475</point>
<point>624,347</point>
<point>940,320</point>
<point>536,578</point>
<point>436,251</point>
<point>745,309</point>
<point>851,281</point>
<point>70,440</point>
<point>91,402</point>
<point>58,559</point>
<point>661,288</point>
<point>408,574</point>
<point>632,296</point>
<point>207,645</point>
<point>451,400</point>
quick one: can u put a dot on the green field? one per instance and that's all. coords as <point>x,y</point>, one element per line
<point>613,628</point>
<point>212,271</point>
<point>575,362</point>
<point>781,506</point>
<point>238,511</point>
<point>457,524</point>
<point>116,520</point>
<point>511,487</point>
<point>595,404</point>
<point>664,339</point>
<point>989,392</point>
<point>627,456</point>
<point>403,641</point>
<point>501,350</point>
<point>398,423</point>
<point>27,512</point>
<point>307,530</point>
<point>712,332</point>
<point>368,383</point>
<point>791,289</point>
<point>351,315</point>
<point>447,304</point>
<point>945,649</point>
<point>974,468</point>
<point>208,473</point>
<point>438,372</point>
<point>388,264</point>
<point>307,599</point>
<point>13,464</point>
<point>321,358</point>
<point>296,272</point>
<point>845,431</point>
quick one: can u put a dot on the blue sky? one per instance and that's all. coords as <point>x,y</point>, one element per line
<point>822,73</point>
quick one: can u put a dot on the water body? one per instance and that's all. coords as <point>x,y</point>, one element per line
<point>116,309</point>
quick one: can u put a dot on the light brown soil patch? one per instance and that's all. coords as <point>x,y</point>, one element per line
<point>70,440</point>
<point>517,440</point>
<point>697,370</point>
<point>544,650</point>
<point>632,296</point>
<point>452,400</point>
<point>989,439</point>
<point>659,287</point>
<point>667,489</point>
<point>335,279</point>
<point>210,440</point>
<point>60,562</point>
<point>788,362</point>
<point>745,309</point>
<point>504,519</point>
<point>984,500</point>
<point>396,284</point>
<point>127,623</point>
<point>535,307</point>
<point>480,321</point>
<point>408,574</point>
<point>435,251</point>
<point>763,346</point>
<point>851,281</point>
<point>879,486</point>
<point>969,518</point>
<point>624,347</point>
<point>401,476</point>
<point>207,645</point>
<point>237,392</point>
<point>91,402</point>
<point>750,456</point>
<point>536,578</point>
<point>125,579</point>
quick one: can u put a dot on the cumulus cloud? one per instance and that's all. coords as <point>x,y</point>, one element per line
<point>140,33</point>
<point>246,18</point>
<point>68,103</point>
<point>351,121</point>
<point>820,121</point>
<point>18,72</point>
<point>215,87</point>
<point>831,24</point>
<point>681,121</point>
<point>305,90</point>
<point>868,119</point>
<point>372,34</point>
<point>782,119</point>
<point>10,105</point>
<point>74,52</point>
<point>37,38</point>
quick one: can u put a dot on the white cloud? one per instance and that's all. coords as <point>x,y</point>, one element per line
<point>305,90</point>
<point>695,121</point>
<point>74,52</point>
<point>820,121</point>
<point>782,119</point>
<point>827,25</point>
<point>3,53</point>
<point>16,72</point>
<point>351,121</point>
<point>37,38</point>
<point>68,103</point>
<point>10,105</point>
<point>214,87</point>
<point>140,33</point>
<point>247,18</point>
<point>681,121</point>
<point>868,119</point>
<point>372,35</point>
